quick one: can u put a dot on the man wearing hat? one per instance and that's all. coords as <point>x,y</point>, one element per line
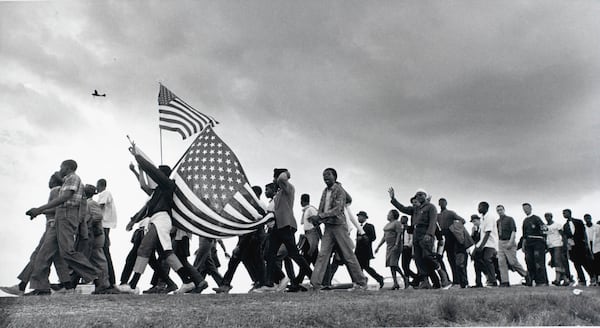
<point>424,219</point>
<point>364,248</point>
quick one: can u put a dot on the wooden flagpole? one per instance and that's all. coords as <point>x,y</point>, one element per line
<point>161,147</point>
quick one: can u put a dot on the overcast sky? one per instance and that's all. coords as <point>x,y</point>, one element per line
<point>472,101</point>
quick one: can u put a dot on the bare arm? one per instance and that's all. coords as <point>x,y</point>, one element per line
<point>485,239</point>
<point>33,212</point>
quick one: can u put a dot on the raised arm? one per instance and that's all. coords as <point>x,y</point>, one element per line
<point>404,209</point>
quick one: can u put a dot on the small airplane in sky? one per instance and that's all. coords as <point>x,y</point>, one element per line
<point>96,94</point>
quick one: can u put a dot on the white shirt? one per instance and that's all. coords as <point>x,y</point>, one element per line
<point>109,211</point>
<point>553,236</point>
<point>489,224</point>
<point>593,234</point>
<point>407,238</point>
<point>307,212</point>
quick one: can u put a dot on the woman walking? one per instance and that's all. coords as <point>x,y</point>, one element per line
<point>393,233</point>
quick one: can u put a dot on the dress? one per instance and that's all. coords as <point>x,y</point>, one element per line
<point>390,234</point>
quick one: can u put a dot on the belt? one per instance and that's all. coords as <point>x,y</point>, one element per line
<point>68,206</point>
<point>535,237</point>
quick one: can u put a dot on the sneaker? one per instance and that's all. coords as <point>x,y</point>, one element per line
<point>198,289</point>
<point>282,285</point>
<point>62,291</point>
<point>38,292</point>
<point>126,289</point>
<point>13,290</point>
<point>254,288</point>
<point>266,289</point>
<point>167,289</point>
<point>222,289</point>
<point>357,287</point>
<point>185,288</point>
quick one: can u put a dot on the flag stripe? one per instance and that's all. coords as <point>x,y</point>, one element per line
<point>247,206</point>
<point>178,130</point>
<point>202,212</point>
<point>225,230</point>
<point>174,109</point>
<point>188,220</point>
<point>205,118</point>
<point>190,111</point>
<point>176,115</point>
<point>213,196</point>
<point>173,123</point>
<point>253,195</point>
<point>185,223</point>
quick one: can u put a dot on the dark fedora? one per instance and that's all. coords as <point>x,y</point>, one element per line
<point>363,213</point>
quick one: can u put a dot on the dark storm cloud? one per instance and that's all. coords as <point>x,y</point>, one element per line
<point>464,91</point>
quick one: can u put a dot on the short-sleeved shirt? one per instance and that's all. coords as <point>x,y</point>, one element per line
<point>593,234</point>
<point>408,237</point>
<point>506,226</point>
<point>489,224</point>
<point>109,214</point>
<point>72,182</point>
<point>554,236</point>
<point>307,212</point>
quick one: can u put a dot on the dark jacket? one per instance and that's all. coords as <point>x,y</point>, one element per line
<point>162,197</point>
<point>364,243</point>
<point>578,236</point>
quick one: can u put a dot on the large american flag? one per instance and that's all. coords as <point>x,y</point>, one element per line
<point>213,197</point>
<point>175,115</point>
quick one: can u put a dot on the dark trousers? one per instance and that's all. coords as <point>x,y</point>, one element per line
<point>286,237</point>
<point>581,260</point>
<point>406,258</point>
<point>204,262</point>
<point>486,265</point>
<point>136,239</point>
<point>181,248</point>
<point>239,254</point>
<point>365,265</point>
<point>106,248</point>
<point>450,249</point>
<point>461,268</point>
<point>424,256</point>
<point>535,258</point>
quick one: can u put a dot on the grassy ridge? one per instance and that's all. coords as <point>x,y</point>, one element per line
<point>545,306</point>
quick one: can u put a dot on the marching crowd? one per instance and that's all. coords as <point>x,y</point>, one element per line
<point>79,219</point>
